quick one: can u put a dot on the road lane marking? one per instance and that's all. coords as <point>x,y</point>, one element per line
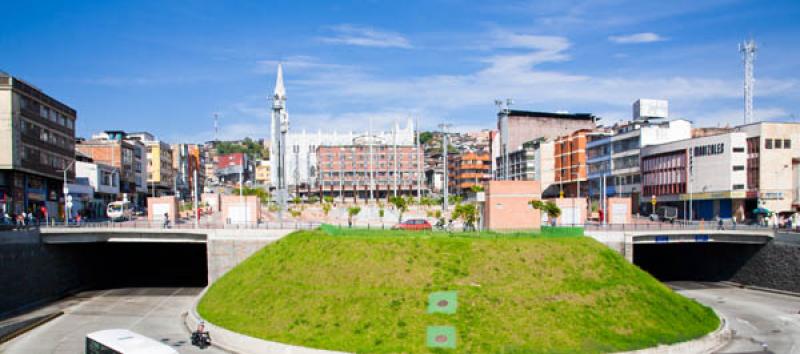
<point>746,322</point>
<point>155,307</point>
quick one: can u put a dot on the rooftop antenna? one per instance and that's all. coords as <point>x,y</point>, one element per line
<point>748,50</point>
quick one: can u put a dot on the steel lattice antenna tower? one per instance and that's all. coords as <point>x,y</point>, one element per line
<point>748,50</point>
<point>216,127</point>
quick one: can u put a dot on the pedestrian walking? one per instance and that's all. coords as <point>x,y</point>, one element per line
<point>720,223</point>
<point>166,220</point>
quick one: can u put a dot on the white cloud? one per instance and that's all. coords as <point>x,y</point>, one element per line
<point>366,37</point>
<point>227,131</point>
<point>514,68</point>
<point>643,37</point>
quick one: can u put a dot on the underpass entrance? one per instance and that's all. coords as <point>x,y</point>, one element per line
<point>134,264</point>
<point>696,261</point>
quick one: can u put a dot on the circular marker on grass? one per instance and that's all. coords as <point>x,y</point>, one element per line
<point>442,303</point>
<point>441,338</point>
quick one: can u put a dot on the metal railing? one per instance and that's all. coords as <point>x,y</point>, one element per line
<point>710,226</point>
<point>183,225</point>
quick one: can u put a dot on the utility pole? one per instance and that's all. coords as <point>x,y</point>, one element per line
<point>394,157</point>
<point>691,180</point>
<point>196,211</point>
<point>419,165</point>
<point>371,167</point>
<point>341,173</point>
<point>446,182</point>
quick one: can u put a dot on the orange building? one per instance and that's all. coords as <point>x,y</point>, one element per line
<point>468,169</point>
<point>570,163</point>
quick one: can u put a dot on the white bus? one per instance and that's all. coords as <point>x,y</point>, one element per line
<point>120,210</point>
<point>123,341</point>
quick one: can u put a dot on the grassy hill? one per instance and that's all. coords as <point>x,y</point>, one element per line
<point>367,292</point>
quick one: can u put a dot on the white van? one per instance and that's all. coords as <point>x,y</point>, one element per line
<point>120,211</point>
<point>123,341</point>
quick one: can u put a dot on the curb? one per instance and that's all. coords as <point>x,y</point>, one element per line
<point>710,343</point>
<point>36,322</point>
<point>760,288</point>
<point>239,343</point>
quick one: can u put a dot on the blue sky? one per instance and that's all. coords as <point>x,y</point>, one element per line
<point>168,66</point>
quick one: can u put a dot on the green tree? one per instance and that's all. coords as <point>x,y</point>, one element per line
<point>551,209</point>
<point>468,213</point>
<point>401,204</point>
<point>425,137</point>
<point>476,188</point>
<point>455,199</point>
<point>263,195</point>
<point>351,212</point>
<point>328,199</point>
<point>326,208</point>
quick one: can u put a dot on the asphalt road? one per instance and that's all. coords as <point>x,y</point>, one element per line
<point>762,321</point>
<point>153,312</point>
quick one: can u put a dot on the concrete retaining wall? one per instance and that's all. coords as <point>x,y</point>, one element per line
<point>775,266</point>
<point>228,248</point>
<point>33,273</point>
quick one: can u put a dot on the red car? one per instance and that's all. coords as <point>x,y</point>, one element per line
<point>413,225</point>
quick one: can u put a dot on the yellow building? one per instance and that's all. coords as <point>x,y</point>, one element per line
<point>262,172</point>
<point>160,173</point>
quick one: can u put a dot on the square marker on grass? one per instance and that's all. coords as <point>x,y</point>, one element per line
<point>441,337</point>
<point>444,302</point>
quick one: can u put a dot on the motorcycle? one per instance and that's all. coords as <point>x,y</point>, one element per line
<point>201,339</point>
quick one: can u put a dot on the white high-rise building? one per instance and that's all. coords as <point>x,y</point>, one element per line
<point>301,147</point>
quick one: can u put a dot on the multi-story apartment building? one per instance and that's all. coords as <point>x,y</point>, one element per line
<point>468,169</point>
<point>358,171</point>
<point>231,167</point>
<point>262,172</point>
<point>188,164</point>
<point>524,126</point>
<point>102,179</point>
<point>773,166</point>
<point>710,171</point>
<point>37,134</point>
<point>570,163</point>
<point>111,149</point>
<point>616,156</point>
<point>160,174</point>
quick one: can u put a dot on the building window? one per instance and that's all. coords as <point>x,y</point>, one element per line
<point>787,144</point>
<point>738,168</point>
<point>778,143</point>
<point>768,143</point>
<point>738,186</point>
<point>739,149</point>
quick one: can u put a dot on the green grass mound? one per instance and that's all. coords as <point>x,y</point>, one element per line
<point>367,292</point>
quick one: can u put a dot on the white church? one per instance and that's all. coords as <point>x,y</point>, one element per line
<point>301,147</point>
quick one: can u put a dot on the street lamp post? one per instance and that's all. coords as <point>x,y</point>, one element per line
<point>66,192</point>
<point>445,178</point>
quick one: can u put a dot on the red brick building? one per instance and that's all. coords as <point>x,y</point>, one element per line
<point>569,152</point>
<point>346,171</point>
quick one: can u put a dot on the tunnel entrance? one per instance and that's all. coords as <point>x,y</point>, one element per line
<point>116,265</point>
<point>693,261</point>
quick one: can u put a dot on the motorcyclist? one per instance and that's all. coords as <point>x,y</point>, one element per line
<point>200,337</point>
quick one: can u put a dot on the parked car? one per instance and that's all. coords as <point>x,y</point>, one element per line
<point>665,213</point>
<point>413,225</point>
